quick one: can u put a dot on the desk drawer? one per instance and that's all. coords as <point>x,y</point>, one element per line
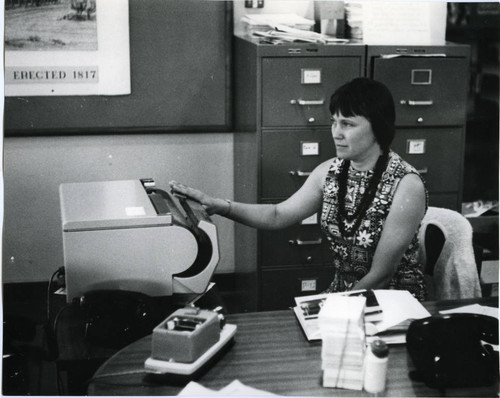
<point>437,153</point>
<point>427,91</point>
<point>300,244</point>
<point>289,156</point>
<point>281,285</point>
<point>296,91</point>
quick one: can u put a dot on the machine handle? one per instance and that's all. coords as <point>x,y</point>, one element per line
<point>303,102</point>
<point>423,170</point>
<point>417,103</point>
<point>299,173</point>
<point>299,242</point>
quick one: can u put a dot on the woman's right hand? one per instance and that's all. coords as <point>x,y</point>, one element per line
<point>210,204</point>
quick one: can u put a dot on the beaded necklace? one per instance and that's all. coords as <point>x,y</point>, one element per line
<point>367,198</point>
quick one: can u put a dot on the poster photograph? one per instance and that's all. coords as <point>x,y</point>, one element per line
<point>66,47</point>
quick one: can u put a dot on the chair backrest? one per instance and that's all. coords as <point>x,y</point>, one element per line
<point>447,253</point>
<point>433,244</point>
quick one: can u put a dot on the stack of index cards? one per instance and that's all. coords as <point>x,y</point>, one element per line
<point>341,323</point>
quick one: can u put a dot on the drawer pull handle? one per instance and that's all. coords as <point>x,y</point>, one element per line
<point>424,170</point>
<point>298,242</point>
<point>299,173</point>
<point>302,102</point>
<point>417,103</point>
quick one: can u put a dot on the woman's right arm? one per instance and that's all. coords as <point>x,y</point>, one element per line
<point>302,204</point>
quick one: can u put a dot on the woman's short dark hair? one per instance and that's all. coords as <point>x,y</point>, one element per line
<point>370,99</point>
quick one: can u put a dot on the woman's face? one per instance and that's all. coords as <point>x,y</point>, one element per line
<point>354,138</point>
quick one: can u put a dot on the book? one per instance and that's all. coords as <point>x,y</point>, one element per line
<point>388,313</point>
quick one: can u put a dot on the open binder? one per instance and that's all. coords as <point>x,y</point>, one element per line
<point>388,313</point>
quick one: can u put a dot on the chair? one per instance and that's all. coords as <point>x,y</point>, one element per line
<point>447,253</point>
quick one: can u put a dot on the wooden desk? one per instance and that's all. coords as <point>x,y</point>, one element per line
<point>270,353</point>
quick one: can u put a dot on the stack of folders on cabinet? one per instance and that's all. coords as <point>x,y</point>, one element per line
<point>263,22</point>
<point>387,314</point>
<point>341,324</point>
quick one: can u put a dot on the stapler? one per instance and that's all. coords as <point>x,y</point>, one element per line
<point>186,340</point>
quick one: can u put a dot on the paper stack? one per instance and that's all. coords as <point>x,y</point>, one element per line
<point>263,22</point>
<point>341,323</point>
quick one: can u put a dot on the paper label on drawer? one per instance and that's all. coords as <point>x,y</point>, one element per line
<point>309,148</point>
<point>308,285</point>
<point>135,211</point>
<point>311,76</point>
<point>310,220</point>
<point>415,147</point>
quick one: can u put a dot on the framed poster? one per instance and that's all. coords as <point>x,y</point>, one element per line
<point>66,47</point>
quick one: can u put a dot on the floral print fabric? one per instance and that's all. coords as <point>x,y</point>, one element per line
<point>353,253</point>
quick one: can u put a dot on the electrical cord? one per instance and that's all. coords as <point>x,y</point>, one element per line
<point>102,379</point>
<point>51,329</point>
<point>60,271</point>
<point>54,348</point>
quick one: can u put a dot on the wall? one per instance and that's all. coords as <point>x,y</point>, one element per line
<point>180,76</point>
<point>35,166</point>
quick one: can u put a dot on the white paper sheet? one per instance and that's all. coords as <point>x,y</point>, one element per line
<point>474,309</point>
<point>235,388</point>
<point>398,306</point>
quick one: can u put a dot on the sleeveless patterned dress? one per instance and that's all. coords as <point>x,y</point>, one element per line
<point>353,253</point>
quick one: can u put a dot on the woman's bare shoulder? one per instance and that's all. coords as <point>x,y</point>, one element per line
<point>318,175</point>
<point>410,196</point>
<point>411,184</point>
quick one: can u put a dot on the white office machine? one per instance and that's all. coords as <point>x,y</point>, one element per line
<point>129,235</point>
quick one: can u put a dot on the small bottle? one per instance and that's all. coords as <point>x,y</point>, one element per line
<point>375,372</point>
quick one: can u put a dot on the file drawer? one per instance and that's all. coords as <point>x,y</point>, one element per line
<point>296,91</point>
<point>428,91</point>
<point>280,286</point>
<point>288,156</point>
<point>436,153</point>
<point>300,244</point>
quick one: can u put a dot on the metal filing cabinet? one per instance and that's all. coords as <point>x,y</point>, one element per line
<point>282,119</point>
<point>429,85</point>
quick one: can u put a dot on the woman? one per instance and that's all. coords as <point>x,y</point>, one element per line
<point>371,201</point>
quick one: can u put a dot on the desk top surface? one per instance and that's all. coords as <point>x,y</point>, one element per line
<point>269,353</point>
